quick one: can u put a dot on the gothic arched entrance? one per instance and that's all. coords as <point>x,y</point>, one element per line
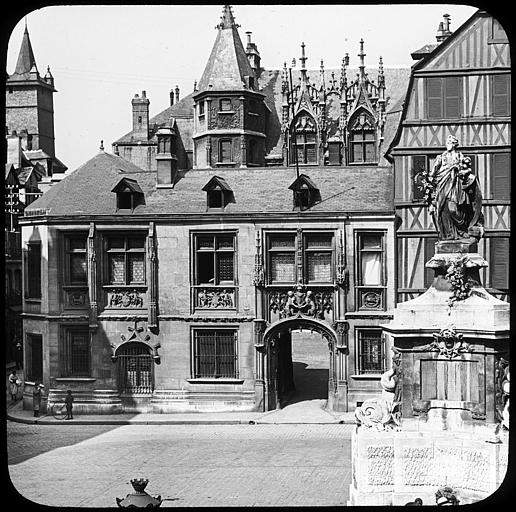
<point>284,375</point>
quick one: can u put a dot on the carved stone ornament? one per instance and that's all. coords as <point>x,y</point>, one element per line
<point>448,343</point>
<point>502,391</point>
<point>136,336</point>
<point>378,414</point>
<point>125,299</point>
<point>215,298</point>
<point>301,301</point>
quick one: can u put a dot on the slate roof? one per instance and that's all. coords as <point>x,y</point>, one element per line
<point>228,64</point>
<point>26,61</point>
<point>87,191</point>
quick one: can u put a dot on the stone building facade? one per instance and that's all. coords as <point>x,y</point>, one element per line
<point>222,238</point>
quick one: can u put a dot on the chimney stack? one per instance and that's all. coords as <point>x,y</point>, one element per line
<point>443,32</point>
<point>171,97</point>
<point>177,93</point>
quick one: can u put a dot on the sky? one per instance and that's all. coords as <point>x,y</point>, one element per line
<point>101,56</point>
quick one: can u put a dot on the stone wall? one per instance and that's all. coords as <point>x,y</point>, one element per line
<point>393,468</point>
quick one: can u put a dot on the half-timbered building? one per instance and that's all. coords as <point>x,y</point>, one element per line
<point>459,86</point>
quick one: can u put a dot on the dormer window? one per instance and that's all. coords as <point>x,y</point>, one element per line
<point>218,192</point>
<point>128,194</point>
<point>362,139</point>
<point>305,192</point>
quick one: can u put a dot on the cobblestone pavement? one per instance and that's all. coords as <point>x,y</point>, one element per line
<point>189,465</point>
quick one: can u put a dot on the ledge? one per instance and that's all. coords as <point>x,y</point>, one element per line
<point>206,380</point>
<point>75,379</point>
<point>367,376</point>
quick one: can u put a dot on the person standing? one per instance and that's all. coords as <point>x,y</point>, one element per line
<point>69,405</point>
<point>36,397</point>
<point>14,383</point>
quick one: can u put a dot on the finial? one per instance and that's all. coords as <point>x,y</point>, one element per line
<point>227,19</point>
<point>195,86</point>
<point>101,145</point>
<point>303,57</point>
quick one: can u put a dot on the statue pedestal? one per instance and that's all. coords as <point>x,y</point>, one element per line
<point>451,346</point>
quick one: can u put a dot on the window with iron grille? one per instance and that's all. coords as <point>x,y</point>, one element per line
<point>443,97</point>
<point>34,357</point>
<point>76,263</point>
<point>371,351</point>
<point>318,257</point>
<point>34,271</point>
<point>214,258</point>
<point>125,260</point>
<point>215,353</point>
<point>75,352</point>
<point>135,369</point>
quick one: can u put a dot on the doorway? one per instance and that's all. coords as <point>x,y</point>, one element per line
<point>300,366</point>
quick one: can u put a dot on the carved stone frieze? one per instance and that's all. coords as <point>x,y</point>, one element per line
<point>125,299</point>
<point>137,336</point>
<point>215,298</point>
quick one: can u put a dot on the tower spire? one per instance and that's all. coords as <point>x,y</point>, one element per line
<point>26,60</point>
<point>227,20</point>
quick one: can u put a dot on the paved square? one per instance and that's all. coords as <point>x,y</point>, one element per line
<point>189,465</point>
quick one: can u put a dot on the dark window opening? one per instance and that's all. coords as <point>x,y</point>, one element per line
<point>34,357</point>
<point>75,353</point>
<point>418,164</point>
<point>215,259</point>
<point>135,369</point>
<point>215,353</point>
<point>34,271</point>
<point>76,263</point>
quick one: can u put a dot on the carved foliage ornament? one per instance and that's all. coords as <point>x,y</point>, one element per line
<point>378,414</point>
<point>126,299</point>
<point>301,301</point>
<point>448,343</point>
<point>136,336</point>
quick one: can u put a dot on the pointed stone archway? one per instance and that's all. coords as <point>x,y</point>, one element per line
<point>276,358</point>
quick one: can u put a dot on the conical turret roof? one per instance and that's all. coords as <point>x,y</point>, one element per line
<point>228,64</point>
<point>26,61</point>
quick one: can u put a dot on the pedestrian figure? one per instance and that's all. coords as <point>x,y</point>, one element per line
<point>69,405</point>
<point>36,398</point>
<point>14,383</point>
<point>19,356</point>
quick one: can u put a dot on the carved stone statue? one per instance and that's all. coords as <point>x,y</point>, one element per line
<point>457,199</point>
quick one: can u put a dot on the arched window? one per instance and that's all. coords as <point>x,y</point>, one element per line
<point>303,140</point>
<point>135,369</point>
<point>362,139</point>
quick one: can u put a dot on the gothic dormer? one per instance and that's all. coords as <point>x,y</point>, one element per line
<point>229,111</point>
<point>364,113</point>
<point>305,192</point>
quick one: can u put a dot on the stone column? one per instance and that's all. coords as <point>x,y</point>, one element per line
<point>92,277</point>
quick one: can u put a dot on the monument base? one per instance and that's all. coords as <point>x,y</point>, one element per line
<point>394,468</point>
